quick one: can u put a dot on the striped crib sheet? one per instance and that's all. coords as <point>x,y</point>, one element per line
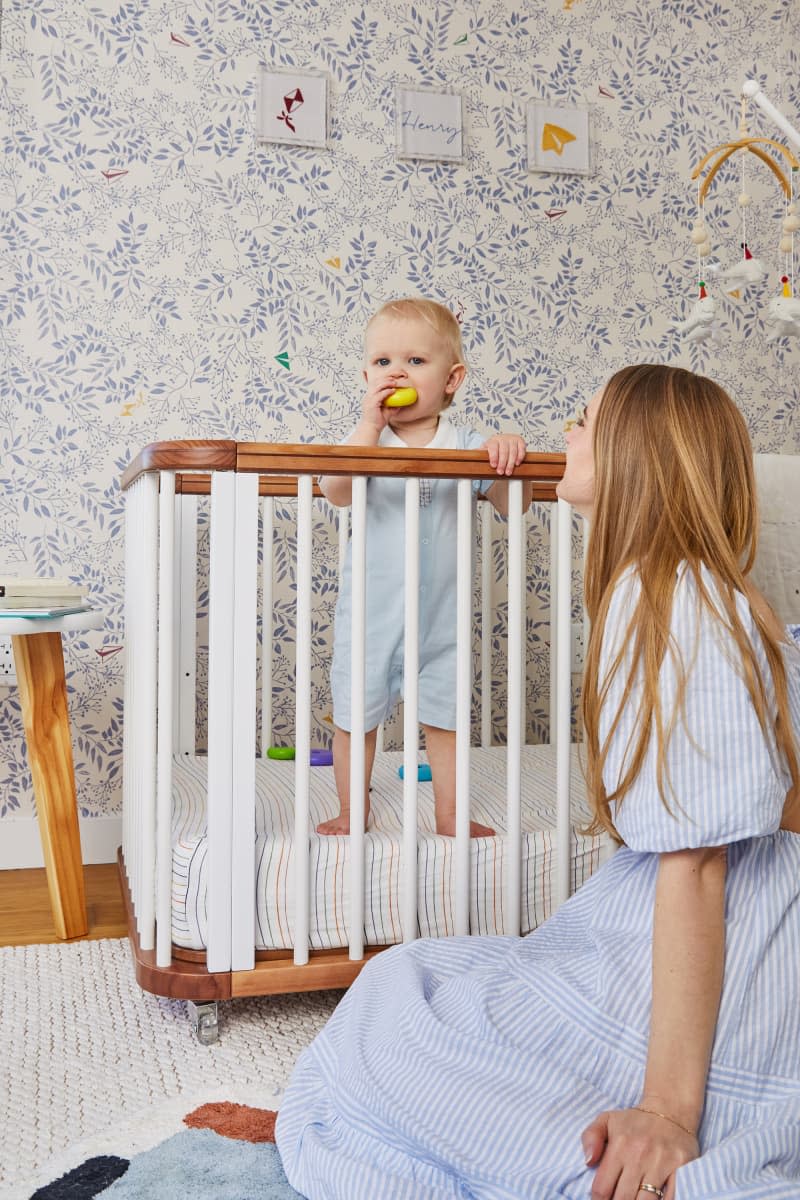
<point>274,853</point>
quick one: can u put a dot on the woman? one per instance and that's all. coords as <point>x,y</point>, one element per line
<point>645,1041</point>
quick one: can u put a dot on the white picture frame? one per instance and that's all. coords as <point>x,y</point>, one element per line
<point>558,137</point>
<point>292,107</point>
<point>429,123</point>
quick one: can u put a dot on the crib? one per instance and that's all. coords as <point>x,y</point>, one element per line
<point>229,891</point>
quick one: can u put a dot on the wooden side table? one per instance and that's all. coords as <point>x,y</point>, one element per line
<point>39,663</point>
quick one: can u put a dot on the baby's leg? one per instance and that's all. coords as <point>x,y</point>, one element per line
<point>341,772</point>
<point>441,747</point>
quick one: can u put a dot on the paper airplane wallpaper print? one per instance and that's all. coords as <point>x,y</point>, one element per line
<point>558,138</point>
<point>555,138</point>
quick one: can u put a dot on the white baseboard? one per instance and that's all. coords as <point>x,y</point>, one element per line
<point>21,846</point>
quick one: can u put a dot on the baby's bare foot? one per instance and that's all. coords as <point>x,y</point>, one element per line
<point>338,826</point>
<point>448,829</point>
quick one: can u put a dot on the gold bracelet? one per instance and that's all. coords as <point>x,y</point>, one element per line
<point>651,1112</point>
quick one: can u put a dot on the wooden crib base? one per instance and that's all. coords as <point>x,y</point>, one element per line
<point>274,973</point>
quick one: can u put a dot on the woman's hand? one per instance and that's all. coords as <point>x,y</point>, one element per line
<point>506,451</point>
<point>629,1148</point>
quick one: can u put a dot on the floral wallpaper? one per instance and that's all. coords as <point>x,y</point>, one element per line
<point>165,275</point>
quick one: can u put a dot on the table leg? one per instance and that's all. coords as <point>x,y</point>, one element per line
<point>39,663</point>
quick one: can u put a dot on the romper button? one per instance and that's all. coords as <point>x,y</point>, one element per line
<point>425,541</point>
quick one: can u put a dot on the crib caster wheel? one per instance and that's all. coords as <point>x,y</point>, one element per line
<point>204,1018</point>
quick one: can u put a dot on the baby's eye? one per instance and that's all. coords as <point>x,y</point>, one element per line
<point>415,360</point>
<point>382,362</point>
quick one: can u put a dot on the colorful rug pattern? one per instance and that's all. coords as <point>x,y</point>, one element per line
<point>226,1151</point>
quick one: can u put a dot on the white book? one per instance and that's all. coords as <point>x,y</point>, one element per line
<point>60,601</point>
<point>16,585</point>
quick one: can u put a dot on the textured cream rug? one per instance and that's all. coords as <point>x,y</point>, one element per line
<point>84,1050</point>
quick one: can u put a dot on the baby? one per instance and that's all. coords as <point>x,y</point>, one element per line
<point>413,343</point>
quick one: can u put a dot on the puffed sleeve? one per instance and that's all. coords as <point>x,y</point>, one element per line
<point>724,778</point>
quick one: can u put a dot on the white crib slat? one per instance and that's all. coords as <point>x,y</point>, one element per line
<point>131,778</point>
<point>166,693</point>
<point>220,729</point>
<point>358,518</point>
<point>516,656</point>
<point>553,537</point>
<point>145,713</point>
<point>463,701</point>
<point>342,535</point>
<point>408,914</point>
<point>563,679</point>
<point>243,718</point>
<point>302,769</point>
<point>267,605</point>
<point>185,624</point>
<point>487,524</point>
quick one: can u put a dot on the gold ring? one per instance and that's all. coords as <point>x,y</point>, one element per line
<point>652,1189</point>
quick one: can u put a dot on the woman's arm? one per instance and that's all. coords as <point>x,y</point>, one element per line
<point>633,1145</point>
<point>688,958</point>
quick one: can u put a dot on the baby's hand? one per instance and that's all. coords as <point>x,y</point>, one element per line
<point>374,413</point>
<point>506,451</point>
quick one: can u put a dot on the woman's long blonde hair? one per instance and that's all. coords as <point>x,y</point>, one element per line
<point>674,484</point>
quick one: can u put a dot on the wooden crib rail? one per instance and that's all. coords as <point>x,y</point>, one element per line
<point>275,460</point>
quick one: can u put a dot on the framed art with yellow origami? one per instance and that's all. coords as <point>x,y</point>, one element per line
<point>558,138</point>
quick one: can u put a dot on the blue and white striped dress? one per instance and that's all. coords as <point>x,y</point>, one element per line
<point>468,1067</point>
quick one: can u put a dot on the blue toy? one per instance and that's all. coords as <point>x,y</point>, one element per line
<point>321,758</point>
<point>424,773</point>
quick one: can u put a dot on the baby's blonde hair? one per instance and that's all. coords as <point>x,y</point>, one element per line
<point>440,319</point>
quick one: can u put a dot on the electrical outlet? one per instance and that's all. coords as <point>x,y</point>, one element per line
<point>8,674</point>
<point>578,649</point>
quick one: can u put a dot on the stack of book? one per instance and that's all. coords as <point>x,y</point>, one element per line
<point>40,597</point>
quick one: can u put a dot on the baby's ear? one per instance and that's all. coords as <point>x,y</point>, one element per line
<point>458,373</point>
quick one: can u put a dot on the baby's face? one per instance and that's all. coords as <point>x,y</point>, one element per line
<point>407,352</point>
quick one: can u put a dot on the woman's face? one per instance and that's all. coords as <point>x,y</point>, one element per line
<point>577,484</point>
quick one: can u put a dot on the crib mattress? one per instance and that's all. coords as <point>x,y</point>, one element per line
<point>274,852</point>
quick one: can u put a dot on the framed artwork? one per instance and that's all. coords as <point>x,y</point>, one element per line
<point>292,107</point>
<point>430,123</point>
<point>558,138</point>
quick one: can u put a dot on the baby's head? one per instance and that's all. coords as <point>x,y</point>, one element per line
<point>423,327</point>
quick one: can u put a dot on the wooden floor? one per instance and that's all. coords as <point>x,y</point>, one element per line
<point>25,917</point>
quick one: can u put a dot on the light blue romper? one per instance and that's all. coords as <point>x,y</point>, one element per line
<point>385,594</point>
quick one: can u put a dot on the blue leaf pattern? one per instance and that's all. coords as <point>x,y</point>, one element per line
<point>157,261</point>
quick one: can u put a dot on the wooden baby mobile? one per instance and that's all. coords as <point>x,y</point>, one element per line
<point>782,316</point>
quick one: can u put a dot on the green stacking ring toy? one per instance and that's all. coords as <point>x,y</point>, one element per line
<point>283,752</point>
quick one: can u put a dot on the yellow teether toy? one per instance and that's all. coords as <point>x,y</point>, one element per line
<point>401,397</point>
